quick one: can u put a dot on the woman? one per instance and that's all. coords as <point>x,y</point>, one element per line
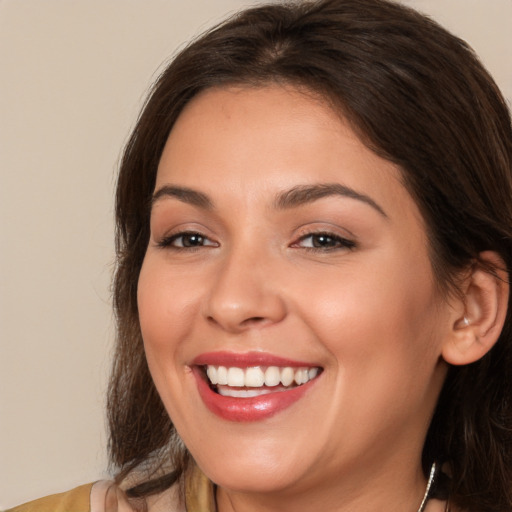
<point>314,246</point>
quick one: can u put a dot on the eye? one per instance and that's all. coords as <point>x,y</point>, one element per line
<point>324,241</point>
<point>187,240</point>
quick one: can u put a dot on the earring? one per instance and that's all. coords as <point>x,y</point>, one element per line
<point>465,321</point>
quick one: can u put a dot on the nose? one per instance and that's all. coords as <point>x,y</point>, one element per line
<point>244,294</point>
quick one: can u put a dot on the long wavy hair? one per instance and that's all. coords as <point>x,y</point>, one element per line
<point>417,96</point>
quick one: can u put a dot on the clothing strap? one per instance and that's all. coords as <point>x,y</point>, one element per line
<point>199,491</point>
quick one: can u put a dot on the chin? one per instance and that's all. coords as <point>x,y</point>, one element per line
<point>253,479</point>
<point>252,469</point>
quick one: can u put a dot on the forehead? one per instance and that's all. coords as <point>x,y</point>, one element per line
<point>249,140</point>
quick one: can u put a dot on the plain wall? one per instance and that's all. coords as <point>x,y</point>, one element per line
<point>73,75</point>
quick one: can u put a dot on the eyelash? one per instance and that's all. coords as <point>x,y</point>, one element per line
<point>168,241</point>
<point>337,242</point>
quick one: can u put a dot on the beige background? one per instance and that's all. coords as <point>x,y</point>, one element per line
<point>72,78</point>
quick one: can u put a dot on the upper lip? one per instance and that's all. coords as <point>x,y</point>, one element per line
<point>247,360</point>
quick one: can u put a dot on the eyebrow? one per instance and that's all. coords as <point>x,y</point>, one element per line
<point>184,194</point>
<point>293,198</point>
<point>304,194</point>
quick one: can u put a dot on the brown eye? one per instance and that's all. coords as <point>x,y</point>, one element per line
<point>190,240</point>
<point>187,240</point>
<point>325,241</point>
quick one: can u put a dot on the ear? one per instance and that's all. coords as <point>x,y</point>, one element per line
<point>480,315</point>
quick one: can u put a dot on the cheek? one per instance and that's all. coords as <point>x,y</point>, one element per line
<point>165,301</point>
<point>384,346</point>
<point>379,319</point>
<point>165,305</point>
<point>165,320</point>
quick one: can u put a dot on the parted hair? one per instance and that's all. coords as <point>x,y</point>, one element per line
<point>415,95</point>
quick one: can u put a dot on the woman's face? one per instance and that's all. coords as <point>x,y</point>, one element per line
<point>282,248</point>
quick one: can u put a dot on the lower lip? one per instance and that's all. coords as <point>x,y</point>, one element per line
<point>248,409</point>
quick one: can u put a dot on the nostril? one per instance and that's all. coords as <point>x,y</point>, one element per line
<point>254,320</point>
<point>244,323</point>
<point>236,312</point>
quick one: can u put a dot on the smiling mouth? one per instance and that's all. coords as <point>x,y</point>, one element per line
<point>257,380</point>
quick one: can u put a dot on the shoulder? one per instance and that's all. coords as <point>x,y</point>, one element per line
<point>76,500</point>
<point>101,496</point>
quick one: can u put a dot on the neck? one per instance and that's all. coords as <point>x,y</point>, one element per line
<point>396,491</point>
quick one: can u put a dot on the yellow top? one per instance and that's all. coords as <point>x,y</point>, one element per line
<point>105,496</point>
<point>77,500</point>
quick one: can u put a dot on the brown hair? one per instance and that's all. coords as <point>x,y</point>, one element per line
<point>417,96</point>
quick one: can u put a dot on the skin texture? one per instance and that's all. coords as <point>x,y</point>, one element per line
<point>369,314</point>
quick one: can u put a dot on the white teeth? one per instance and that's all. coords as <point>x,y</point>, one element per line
<point>243,393</point>
<point>236,377</point>
<point>301,376</point>
<point>254,377</point>
<point>259,377</point>
<point>211,371</point>
<point>312,373</point>
<point>287,376</point>
<point>222,375</point>
<point>272,376</point>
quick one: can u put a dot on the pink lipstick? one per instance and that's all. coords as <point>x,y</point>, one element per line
<point>251,386</point>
